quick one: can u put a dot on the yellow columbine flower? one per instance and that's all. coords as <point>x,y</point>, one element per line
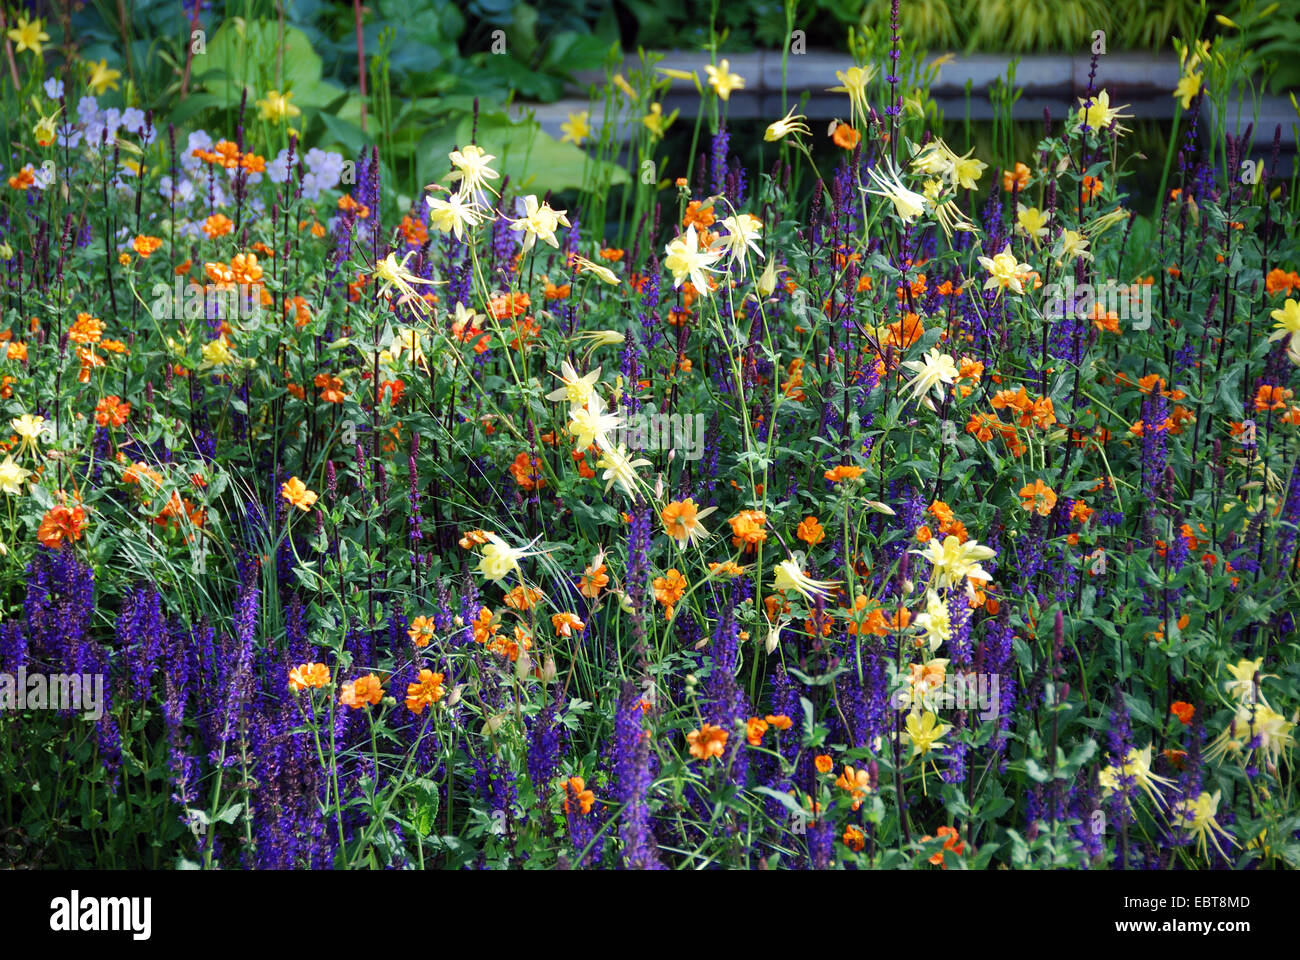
<point>275,106</point>
<point>853,81</point>
<point>935,621</point>
<point>955,560</point>
<point>790,123</point>
<point>788,576</point>
<point>102,78</point>
<point>395,276</point>
<point>1098,114</point>
<point>685,260</point>
<point>584,265</point>
<point>12,477</point>
<point>1074,244</point>
<point>1032,222</point>
<point>29,428</point>
<point>539,222</point>
<point>471,168</point>
<point>577,128</point>
<point>28,35</point>
<point>591,424</point>
<point>924,732</point>
<point>1286,321</point>
<point>218,353</point>
<point>931,370</point>
<point>498,559</point>
<point>1197,816</point>
<point>578,388</point>
<point>1138,766</point>
<point>456,214</point>
<point>1005,271</point>
<point>1254,722</point>
<point>742,237</point>
<point>907,203</point>
<point>722,80</point>
<point>1242,684</point>
<point>621,470</point>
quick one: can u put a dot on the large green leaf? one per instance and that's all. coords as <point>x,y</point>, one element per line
<point>243,54</point>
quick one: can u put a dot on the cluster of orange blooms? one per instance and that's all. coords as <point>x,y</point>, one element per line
<point>1025,412</point>
<point>226,154</point>
<point>86,332</point>
<point>669,590</point>
<point>527,471</point>
<point>60,523</point>
<point>1280,281</point>
<point>748,529</point>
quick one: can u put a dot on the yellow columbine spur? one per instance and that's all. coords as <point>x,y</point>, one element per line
<point>788,576</point>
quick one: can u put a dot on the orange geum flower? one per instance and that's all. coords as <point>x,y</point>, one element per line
<point>361,692</point>
<point>779,721</point>
<point>951,843</point>
<point>1017,178</point>
<point>145,245</point>
<point>707,742</point>
<point>86,329</point>
<point>854,838</point>
<point>1183,711</point>
<point>23,179</point>
<point>308,676</point>
<point>527,471</point>
<point>331,388</point>
<point>810,531</point>
<point>296,492</point>
<point>17,351</point>
<point>1271,398</point>
<point>575,789</point>
<point>112,411</point>
<point>843,472</point>
<point>594,579</point>
<point>565,623</point>
<point>845,137</point>
<point>484,625</point>
<point>217,225</point>
<point>856,782</point>
<point>425,692</point>
<point>523,598</point>
<point>701,217</point>
<point>1038,498</point>
<point>682,521</point>
<point>669,590</point>
<point>747,528</point>
<point>473,538</point>
<point>755,727</point>
<point>823,763</point>
<point>61,523</point>
<point>420,631</point>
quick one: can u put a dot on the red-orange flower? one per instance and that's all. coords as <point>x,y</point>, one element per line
<point>575,789</point>
<point>112,411</point>
<point>61,523</point>
<point>425,692</point>
<point>361,692</point>
<point>308,676</point>
<point>707,742</point>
